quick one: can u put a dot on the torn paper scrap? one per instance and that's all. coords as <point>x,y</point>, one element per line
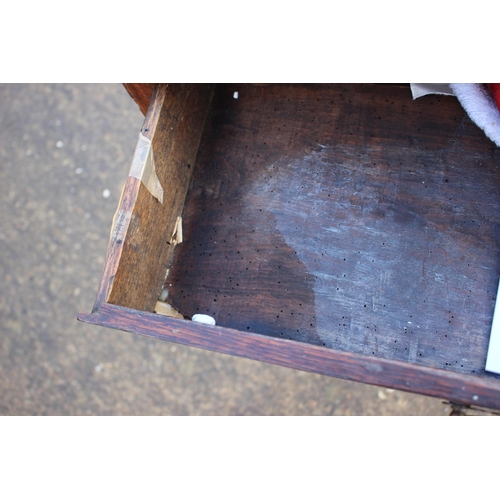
<point>421,89</point>
<point>143,167</point>
<point>165,309</point>
<point>176,238</point>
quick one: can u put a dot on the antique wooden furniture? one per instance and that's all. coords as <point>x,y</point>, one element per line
<point>345,230</point>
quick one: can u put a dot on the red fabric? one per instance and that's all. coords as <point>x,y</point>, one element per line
<point>495,90</point>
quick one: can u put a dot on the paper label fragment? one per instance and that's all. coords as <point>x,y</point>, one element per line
<point>493,356</point>
<point>421,89</point>
<point>120,225</point>
<point>143,167</point>
<point>176,238</point>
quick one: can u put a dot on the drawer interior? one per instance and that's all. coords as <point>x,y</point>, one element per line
<point>348,217</point>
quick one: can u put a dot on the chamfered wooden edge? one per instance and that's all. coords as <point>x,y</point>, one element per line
<point>138,256</point>
<point>458,388</point>
<point>141,93</point>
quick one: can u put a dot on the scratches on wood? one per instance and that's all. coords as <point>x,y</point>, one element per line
<point>369,201</point>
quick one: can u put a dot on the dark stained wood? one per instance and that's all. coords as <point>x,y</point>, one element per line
<point>459,388</point>
<point>346,216</point>
<point>138,256</point>
<point>339,229</point>
<point>141,93</point>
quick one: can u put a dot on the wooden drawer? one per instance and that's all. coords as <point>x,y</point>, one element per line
<point>344,230</point>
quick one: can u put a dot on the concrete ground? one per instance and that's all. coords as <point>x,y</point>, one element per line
<point>65,152</point>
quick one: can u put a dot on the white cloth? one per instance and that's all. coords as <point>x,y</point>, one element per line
<point>479,104</point>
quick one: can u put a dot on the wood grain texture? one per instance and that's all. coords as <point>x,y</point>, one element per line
<point>344,230</point>
<point>141,93</point>
<point>138,253</point>
<point>346,216</point>
<point>445,384</point>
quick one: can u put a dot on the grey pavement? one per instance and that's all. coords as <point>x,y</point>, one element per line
<point>65,152</point>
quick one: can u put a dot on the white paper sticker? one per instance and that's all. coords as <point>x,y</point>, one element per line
<point>493,356</point>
